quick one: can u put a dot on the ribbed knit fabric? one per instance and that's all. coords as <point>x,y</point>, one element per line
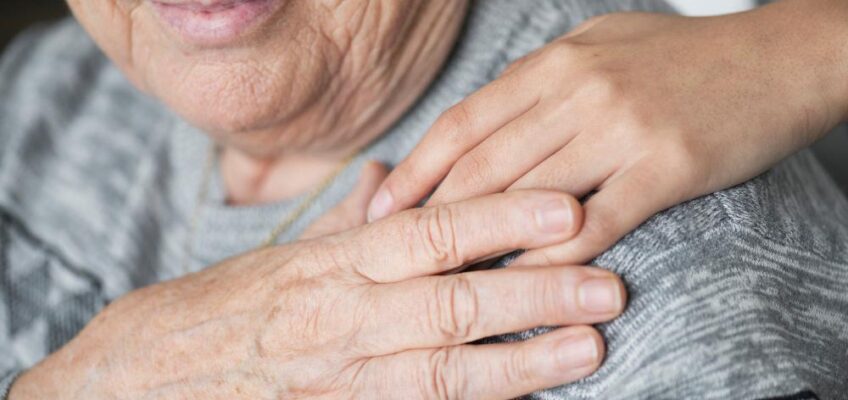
<point>741,294</point>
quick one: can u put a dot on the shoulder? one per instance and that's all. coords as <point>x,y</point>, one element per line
<point>760,269</point>
<point>516,28</point>
<point>75,137</point>
<point>793,206</point>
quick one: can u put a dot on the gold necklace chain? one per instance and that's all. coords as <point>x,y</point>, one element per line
<point>279,229</point>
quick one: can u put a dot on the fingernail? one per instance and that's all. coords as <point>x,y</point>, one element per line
<point>579,351</point>
<point>554,216</point>
<point>381,205</point>
<point>600,295</point>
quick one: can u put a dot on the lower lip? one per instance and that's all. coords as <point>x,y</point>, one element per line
<point>217,24</point>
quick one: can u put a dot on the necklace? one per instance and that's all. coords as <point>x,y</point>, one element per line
<point>278,230</point>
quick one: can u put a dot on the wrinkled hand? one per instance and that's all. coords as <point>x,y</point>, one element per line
<point>360,314</point>
<point>646,110</point>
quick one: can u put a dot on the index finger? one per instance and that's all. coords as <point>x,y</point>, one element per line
<point>455,132</point>
<point>432,240</point>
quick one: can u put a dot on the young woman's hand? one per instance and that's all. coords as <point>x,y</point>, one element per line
<point>644,110</point>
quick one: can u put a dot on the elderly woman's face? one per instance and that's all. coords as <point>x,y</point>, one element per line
<point>275,68</point>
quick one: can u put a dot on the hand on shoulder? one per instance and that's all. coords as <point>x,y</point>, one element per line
<point>643,111</point>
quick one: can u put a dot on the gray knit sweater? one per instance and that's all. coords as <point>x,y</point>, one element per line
<point>741,294</point>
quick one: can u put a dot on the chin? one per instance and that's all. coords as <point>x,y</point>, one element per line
<point>232,116</point>
<point>261,125</point>
<point>235,94</point>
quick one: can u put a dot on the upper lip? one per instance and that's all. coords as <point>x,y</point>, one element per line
<point>202,5</point>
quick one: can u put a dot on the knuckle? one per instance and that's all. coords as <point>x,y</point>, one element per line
<point>445,381</point>
<point>314,257</point>
<point>687,158</point>
<point>638,123</point>
<point>455,123</point>
<point>634,118</point>
<point>601,86</point>
<point>433,233</point>
<point>634,126</point>
<point>550,179</point>
<point>603,226</point>
<point>561,53</point>
<point>677,179</point>
<point>404,177</point>
<point>518,368</point>
<point>456,311</point>
<point>548,292</point>
<point>474,169</point>
<point>563,58</point>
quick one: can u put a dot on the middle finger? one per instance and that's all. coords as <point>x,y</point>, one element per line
<point>447,310</point>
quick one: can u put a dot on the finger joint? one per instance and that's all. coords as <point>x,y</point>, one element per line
<point>457,308</point>
<point>436,231</point>
<point>446,381</point>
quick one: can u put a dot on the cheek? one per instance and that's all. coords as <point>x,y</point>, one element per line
<point>111,23</point>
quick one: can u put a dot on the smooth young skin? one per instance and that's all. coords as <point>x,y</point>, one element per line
<point>647,110</point>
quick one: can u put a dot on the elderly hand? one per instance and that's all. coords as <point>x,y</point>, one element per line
<point>360,314</point>
<point>646,110</point>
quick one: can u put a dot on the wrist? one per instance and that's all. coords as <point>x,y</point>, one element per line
<point>818,32</point>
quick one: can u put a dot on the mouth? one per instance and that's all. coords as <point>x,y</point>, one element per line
<point>213,22</point>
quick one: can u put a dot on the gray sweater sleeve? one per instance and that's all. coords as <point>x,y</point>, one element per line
<point>6,383</point>
<point>44,298</point>
<point>10,367</point>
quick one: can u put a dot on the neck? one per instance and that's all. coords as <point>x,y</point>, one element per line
<point>251,181</point>
<point>369,92</point>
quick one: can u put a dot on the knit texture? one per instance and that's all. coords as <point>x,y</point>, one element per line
<point>740,294</point>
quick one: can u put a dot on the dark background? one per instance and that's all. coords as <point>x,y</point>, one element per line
<point>18,14</point>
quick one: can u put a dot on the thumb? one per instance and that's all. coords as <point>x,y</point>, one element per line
<point>353,210</point>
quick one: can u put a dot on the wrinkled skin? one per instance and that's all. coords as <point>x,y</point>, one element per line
<point>360,314</point>
<point>322,73</point>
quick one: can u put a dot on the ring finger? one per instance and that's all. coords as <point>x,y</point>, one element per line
<point>494,371</point>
